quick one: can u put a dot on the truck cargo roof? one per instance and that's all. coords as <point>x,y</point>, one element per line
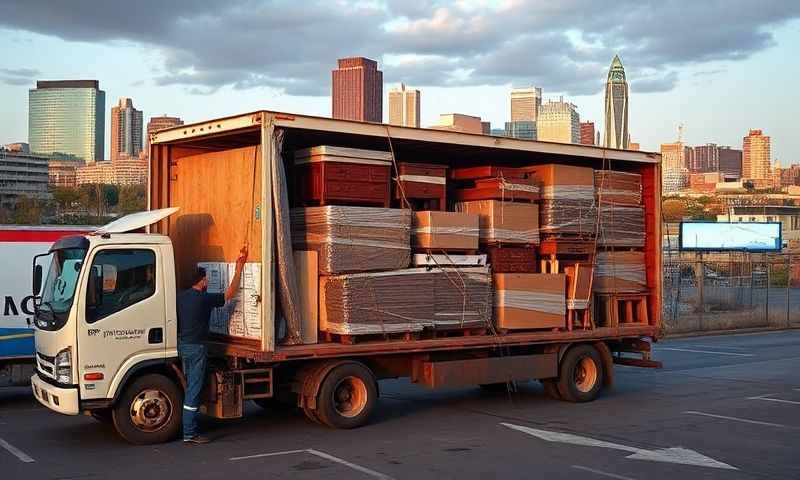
<point>217,133</point>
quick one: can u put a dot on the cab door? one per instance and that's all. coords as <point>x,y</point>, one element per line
<point>121,316</point>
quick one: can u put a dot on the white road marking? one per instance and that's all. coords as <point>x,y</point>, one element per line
<point>670,455</point>
<point>354,466</point>
<point>691,350</point>
<point>326,456</point>
<point>717,347</point>
<point>767,398</point>
<point>22,456</point>
<point>735,419</point>
<point>602,473</point>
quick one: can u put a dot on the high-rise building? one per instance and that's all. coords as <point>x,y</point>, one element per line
<point>458,122</point>
<point>66,118</point>
<point>674,174</point>
<point>522,129</point>
<point>525,104</point>
<point>404,107</point>
<point>558,122</point>
<point>730,162</point>
<point>22,175</point>
<point>756,156</point>
<point>126,130</point>
<point>486,128</point>
<point>357,90</point>
<point>63,173</point>
<point>703,158</point>
<point>159,123</point>
<point>616,111</point>
<point>587,133</point>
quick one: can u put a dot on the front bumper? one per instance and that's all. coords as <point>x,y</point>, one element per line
<point>62,400</point>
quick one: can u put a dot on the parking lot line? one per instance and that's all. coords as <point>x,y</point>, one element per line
<point>767,398</point>
<point>601,473</point>
<point>691,350</point>
<point>323,455</point>
<point>735,419</point>
<point>22,456</point>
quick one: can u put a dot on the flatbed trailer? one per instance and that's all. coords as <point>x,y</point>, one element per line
<point>229,179</point>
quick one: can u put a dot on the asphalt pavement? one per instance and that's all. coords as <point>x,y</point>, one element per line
<point>722,407</point>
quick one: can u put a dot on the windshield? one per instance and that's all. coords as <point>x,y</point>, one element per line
<point>59,288</point>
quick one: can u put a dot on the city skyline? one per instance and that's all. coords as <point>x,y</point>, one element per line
<point>700,86</point>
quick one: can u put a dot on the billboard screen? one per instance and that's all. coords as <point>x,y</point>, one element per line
<point>744,236</point>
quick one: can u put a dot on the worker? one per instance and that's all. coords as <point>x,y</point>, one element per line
<point>194,315</point>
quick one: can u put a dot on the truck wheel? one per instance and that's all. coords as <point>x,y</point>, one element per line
<point>581,374</point>
<point>312,415</point>
<point>149,410</point>
<point>347,396</point>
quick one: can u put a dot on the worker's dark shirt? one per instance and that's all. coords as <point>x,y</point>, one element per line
<point>194,314</point>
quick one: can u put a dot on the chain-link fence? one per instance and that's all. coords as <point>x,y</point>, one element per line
<point>721,291</point>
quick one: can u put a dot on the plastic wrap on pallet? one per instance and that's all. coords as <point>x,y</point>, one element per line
<point>553,303</point>
<point>621,188</point>
<point>505,222</point>
<point>568,192</point>
<point>568,217</point>
<point>620,272</point>
<point>621,226</point>
<point>406,300</point>
<point>354,239</point>
<point>462,298</point>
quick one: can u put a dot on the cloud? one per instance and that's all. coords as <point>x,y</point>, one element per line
<point>292,46</point>
<point>18,76</point>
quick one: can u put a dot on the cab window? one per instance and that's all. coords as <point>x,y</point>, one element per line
<point>119,279</point>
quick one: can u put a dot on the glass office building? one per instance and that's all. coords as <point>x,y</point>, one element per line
<point>523,129</point>
<point>66,119</point>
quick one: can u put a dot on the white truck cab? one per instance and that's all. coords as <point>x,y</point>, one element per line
<point>106,312</point>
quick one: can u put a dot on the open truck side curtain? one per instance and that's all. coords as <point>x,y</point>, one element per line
<point>18,245</point>
<point>228,178</point>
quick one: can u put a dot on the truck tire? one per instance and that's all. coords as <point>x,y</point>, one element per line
<point>581,374</point>
<point>149,410</point>
<point>347,396</point>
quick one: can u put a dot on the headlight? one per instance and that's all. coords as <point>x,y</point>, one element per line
<point>64,366</point>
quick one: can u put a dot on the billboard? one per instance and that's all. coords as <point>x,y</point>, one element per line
<point>743,236</point>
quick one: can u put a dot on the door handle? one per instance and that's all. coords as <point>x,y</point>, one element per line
<point>155,335</point>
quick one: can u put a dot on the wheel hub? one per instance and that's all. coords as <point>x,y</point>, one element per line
<point>350,397</point>
<point>151,410</point>
<point>585,375</point>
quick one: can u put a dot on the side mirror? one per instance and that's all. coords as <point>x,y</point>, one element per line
<point>37,279</point>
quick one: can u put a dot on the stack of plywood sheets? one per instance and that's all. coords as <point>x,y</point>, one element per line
<point>354,239</point>
<point>505,222</point>
<point>568,205</point>
<point>529,301</point>
<point>620,272</point>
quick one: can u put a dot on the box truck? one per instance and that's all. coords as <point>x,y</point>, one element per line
<point>217,185</point>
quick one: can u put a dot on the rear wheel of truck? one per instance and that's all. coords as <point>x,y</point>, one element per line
<point>149,410</point>
<point>581,374</point>
<point>347,396</point>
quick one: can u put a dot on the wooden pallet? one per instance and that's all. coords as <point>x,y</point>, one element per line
<point>622,309</point>
<point>370,337</point>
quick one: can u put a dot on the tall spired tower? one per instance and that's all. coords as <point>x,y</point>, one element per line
<point>616,131</point>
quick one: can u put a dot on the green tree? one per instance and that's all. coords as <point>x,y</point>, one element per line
<point>29,211</point>
<point>673,210</point>
<point>132,199</point>
<point>66,198</point>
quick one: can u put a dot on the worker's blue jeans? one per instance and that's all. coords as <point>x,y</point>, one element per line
<point>193,357</point>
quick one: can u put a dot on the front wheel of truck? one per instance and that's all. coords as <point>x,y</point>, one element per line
<point>149,410</point>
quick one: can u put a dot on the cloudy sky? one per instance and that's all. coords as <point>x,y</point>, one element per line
<point>717,66</point>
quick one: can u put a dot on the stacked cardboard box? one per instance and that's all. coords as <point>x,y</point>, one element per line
<point>406,300</point>
<point>353,239</point>
<point>445,231</point>
<point>505,222</point>
<point>568,205</point>
<point>529,300</point>
<point>620,272</point>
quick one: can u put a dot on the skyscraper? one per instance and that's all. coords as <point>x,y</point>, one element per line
<point>558,122</point>
<point>404,107</point>
<point>703,158</point>
<point>67,118</point>
<point>730,162</point>
<point>159,123</point>
<point>674,174</point>
<point>756,155</point>
<point>587,133</point>
<point>525,104</point>
<point>357,90</point>
<point>126,130</point>
<point>616,111</point>
<point>522,129</point>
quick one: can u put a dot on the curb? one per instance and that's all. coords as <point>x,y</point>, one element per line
<point>734,331</point>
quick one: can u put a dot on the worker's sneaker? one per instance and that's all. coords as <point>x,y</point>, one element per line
<point>198,439</point>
